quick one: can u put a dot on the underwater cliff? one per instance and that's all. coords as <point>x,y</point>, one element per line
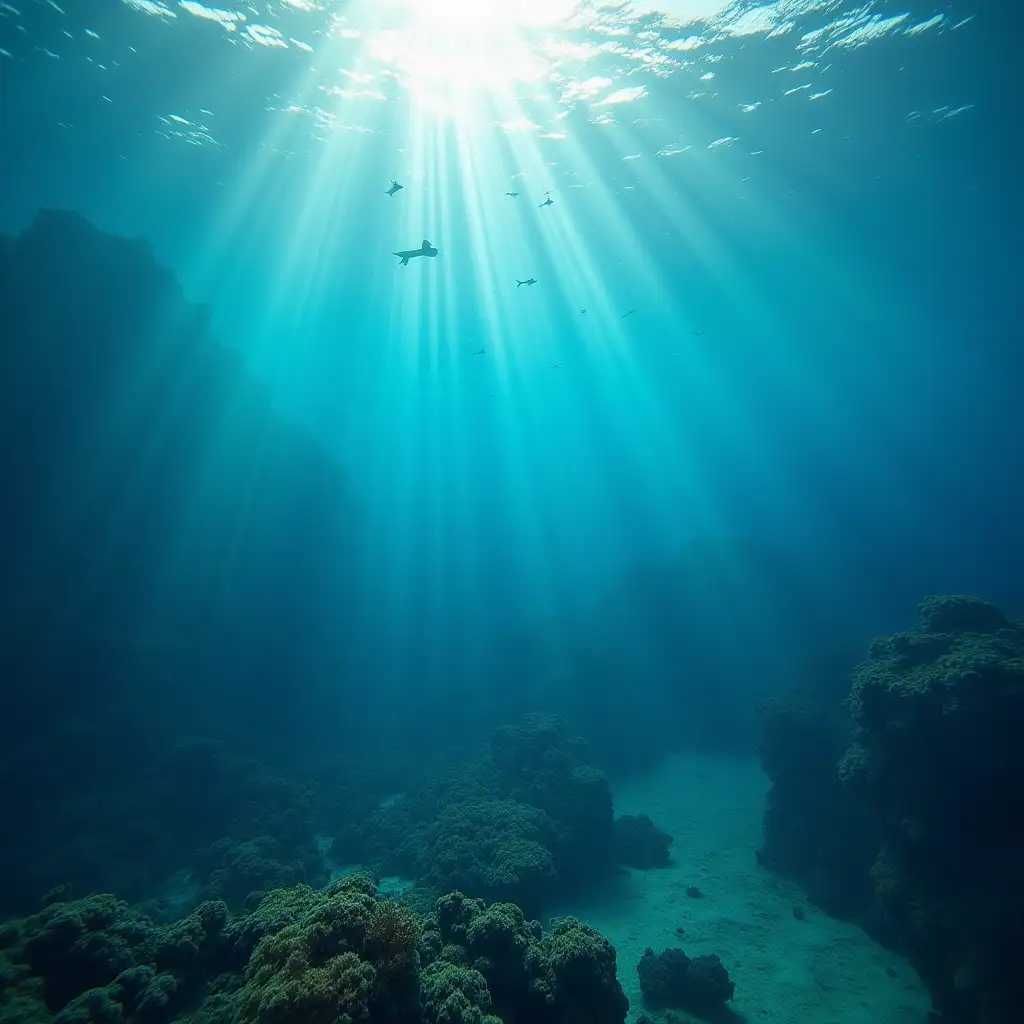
<point>162,549</point>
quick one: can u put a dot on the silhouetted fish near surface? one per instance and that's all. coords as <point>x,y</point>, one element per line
<point>512,194</point>
<point>547,202</point>
<point>426,249</point>
<point>395,187</point>
<point>529,280</point>
<point>628,312</point>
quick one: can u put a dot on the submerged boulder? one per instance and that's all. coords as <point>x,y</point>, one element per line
<point>938,752</point>
<point>673,980</point>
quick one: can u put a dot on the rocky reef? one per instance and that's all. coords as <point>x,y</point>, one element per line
<point>340,954</point>
<point>907,810</point>
<point>639,843</point>
<point>564,977</point>
<point>816,831</point>
<point>939,756</point>
<point>531,819</point>
<point>673,979</point>
<point>162,539</point>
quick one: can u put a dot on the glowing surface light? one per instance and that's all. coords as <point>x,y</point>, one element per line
<point>469,43</point>
<point>683,143</point>
<point>492,14</point>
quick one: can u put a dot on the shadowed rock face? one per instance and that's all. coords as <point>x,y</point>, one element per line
<point>640,843</point>
<point>940,716</point>
<point>162,559</point>
<point>673,979</point>
<point>903,806</point>
<point>816,831</point>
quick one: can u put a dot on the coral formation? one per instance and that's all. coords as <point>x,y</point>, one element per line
<point>538,762</point>
<point>938,752</point>
<point>672,979</point>
<point>346,957</point>
<point>908,813</point>
<point>340,955</point>
<point>816,831</point>
<point>234,871</point>
<point>94,960</point>
<point>639,843</point>
<point>565,977</point>
<point>532,819</point>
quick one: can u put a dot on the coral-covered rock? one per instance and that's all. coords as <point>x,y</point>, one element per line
<point>938,752</point>
<point>453,994</point>
<point>639,843</point>
<point>347,957</point>
<point>672,979</point>
<point>94,1006</point>
<point>236,869</point>
<point>93,960</point>
<point>497,849</point>
<point>578,976</point>
<point>339,955</point>
<point>532,820</point>
<point>74,947</point>
<point>539,762</point>
<point>565,977</point>
<point>145,995</point>
<point>960,613</point>
<point>816,831</point>
<point>336,988</point>
<point>195,943</point>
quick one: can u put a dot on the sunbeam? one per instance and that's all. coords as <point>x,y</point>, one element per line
<point>436,435</point>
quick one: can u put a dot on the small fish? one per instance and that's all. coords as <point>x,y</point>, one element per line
<point>528,281</point>
<point>629,312</point>
<point>480,352</point>
<point>395,187</point>
<point>547,202</point>
<point>512,194</point>
<point>583,309</point>
<point>698,334</point>
<point>555,366</point>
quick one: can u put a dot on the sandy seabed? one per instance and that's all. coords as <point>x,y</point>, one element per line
<point>812,971</point>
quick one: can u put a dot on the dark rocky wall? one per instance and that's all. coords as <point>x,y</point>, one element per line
<point>174,557</point>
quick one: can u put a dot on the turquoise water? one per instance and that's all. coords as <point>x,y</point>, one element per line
<point>790,226</point>
<point>382,379</point>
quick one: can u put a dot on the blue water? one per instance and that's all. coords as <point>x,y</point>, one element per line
<point>770,368</point>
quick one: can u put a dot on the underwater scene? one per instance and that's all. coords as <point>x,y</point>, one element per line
<point>511,512</point>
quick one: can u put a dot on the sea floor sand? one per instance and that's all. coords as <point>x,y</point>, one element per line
<point>787,971</point>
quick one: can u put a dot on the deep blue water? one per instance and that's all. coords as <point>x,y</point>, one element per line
<point>810,420</point>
